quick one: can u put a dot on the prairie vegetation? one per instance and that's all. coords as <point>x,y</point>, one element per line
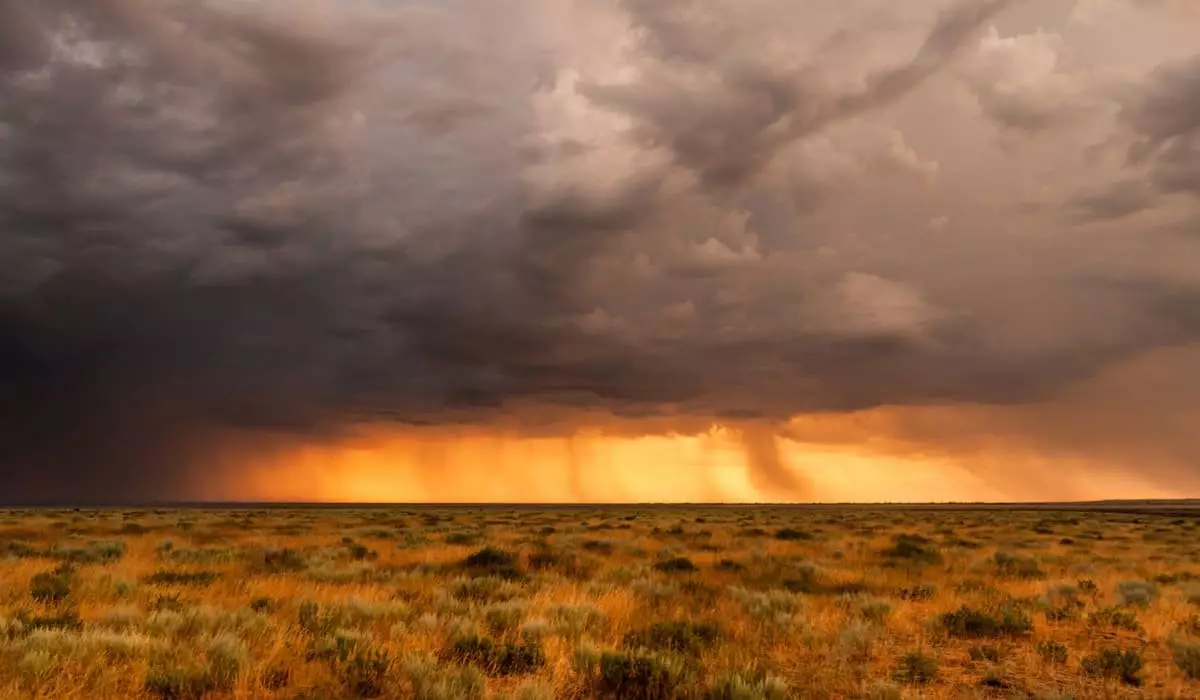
<point>717,603</point>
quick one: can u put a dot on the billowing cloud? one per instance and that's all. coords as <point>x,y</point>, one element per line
<point>1020,84</point>
<point>224,224</point>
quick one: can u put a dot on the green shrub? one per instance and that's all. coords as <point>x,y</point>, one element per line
<point>269,561</point>
<point>925,591</point>
<point>1187,658</point>
<point>37,665</point>
<point>572,621</point>
<point>969,623</point>
<point>680,636</point>
<point>567,564</point>
<point>89,553</point>
<point>166,577</point>
<point>317,621</point>
<point>788,534</point>
<point>431,681</point>
<point>883,690</point>
<point>365,673</point>
<point>1017,567</point>
<point>52,586</point>
<point>483,589</point>
<point>201,555</point>
<point>1063,613</point>
<point>227,656</point>
<point>360,552</point>
<point>639,675</point>
<point>18,549</point>
<point>984,653</point>
<point>598,546</point>
<point>491,561</point>
<point>915,668</point>
<point>1115,617</point>
<point>914,549</point>
<point>1114,663</point>
<point>746,686</point>
<point>276,678</point>
<point>1191,625</point>
<point>505,616</point>
<point>1136,592</point>
<point>874,609</point>
<point>676,565</point>
<point>176,683</point>
<point>1052,652</point>
<point>494,657</point>
<point>64,620</point>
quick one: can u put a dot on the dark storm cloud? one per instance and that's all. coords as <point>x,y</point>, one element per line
<point>1164,121</point>
<point>726,134</point>
<point>1167,120</point>
<point>221,219</point>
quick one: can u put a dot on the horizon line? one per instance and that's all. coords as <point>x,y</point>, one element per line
<point>235,504</point>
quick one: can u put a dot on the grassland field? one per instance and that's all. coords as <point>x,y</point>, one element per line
<point>720,603</point>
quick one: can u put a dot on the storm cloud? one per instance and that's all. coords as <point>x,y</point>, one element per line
<point>222,220</point>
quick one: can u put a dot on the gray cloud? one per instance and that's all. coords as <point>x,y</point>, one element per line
<point>1167,120</point>
<point>218,220</point>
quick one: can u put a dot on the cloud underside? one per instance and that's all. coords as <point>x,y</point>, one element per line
<point>220,219</point>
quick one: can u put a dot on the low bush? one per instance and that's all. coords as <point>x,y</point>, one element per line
<point>491,561</point>
<point>430,680</point>
<point>679,636</point>
<point>984,653</point>
<point>913,549</point>
<point>968,623</point>
<point>1051,652</point>
<point>1187,658</point>
<point>178,683</point>
<point>1114,663</point>
<point>676,565</point>
<point>746,686</point>
<point>1013,566</point>
<point>915,668</point>
<point>1136,592</point>
<point>52,587</point>
<point>1115,617</point>
<point>788,534</point>
<point>495,657</point>
<point>167,577</point>
<point>638,675</point>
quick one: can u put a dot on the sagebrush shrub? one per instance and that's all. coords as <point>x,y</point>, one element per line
<point>1187,658</point>
<point>501,658</point>
<point>491,561</point>
<point>1125,665</point>
<point>746,686</point>
<point>915,668</point>
<point>639,675</point>
<point>52,586</point>
<point>1052,652</point>
<point>1136,592</point>
<point>966,622</point>
<point>679,636</point>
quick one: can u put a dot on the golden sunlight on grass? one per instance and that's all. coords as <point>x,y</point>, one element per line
<point>668,603</point>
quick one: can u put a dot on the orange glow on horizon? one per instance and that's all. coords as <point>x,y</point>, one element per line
<point>444,466</point>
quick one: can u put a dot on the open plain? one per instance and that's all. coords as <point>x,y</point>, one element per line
<point>1054,601</point>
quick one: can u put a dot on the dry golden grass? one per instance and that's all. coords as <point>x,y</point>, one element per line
<point>806,603</point>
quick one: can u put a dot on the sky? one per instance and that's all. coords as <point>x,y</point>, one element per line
<point>602,250</point>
